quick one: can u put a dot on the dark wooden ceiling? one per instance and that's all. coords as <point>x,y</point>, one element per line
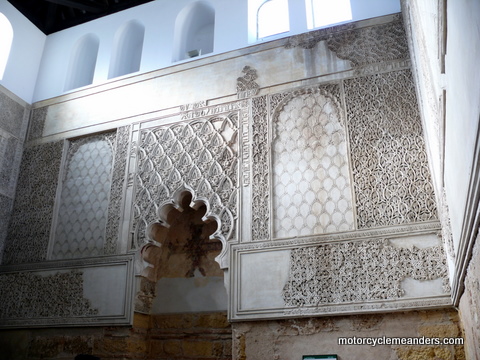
<point>55,15</point>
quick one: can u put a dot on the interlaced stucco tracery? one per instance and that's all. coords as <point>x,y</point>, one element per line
<point>329,274</point>
<point>201,157</point>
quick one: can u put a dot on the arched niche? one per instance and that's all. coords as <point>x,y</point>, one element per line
<point>127,49</point>
<point>83,59</point>
<point>182,243</point>
<point>194,31</point>
<point>6,38</point>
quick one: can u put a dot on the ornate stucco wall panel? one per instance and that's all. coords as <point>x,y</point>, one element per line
<point>352,272</point>
<point>200,156</point>
<point>311,177</point>
<point>32,215</point>
<point>84,200</point>
<point>390,169</point>
<point>13,126</point>
<point>97,291</point>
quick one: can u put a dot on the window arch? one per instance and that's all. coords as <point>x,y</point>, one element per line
<point>82,63</point>
<point>194,31</point>
<point>327,12</point>
<point>127,49</point>
<point>272,18</point>
<point>6,39</point>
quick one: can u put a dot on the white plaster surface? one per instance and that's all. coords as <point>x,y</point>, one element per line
<point>181,295</point>
<point>106,288</point>
<point>262,278</point>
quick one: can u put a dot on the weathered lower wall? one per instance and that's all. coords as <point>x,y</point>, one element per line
<point>290,339</point>
<point>469,308</point>
<point>160,337</point>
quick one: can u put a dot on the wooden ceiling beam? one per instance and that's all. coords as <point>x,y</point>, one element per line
<point>90,6</point>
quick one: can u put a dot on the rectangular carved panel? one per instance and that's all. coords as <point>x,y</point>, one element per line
<point>29,229</point>
<point>390,170</point>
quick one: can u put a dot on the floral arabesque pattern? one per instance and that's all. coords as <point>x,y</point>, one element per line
<point>390,170</point>
<point>349,272</point>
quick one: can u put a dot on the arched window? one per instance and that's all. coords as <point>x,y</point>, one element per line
<point>127,49</point>
<point>194,31</point>
<point>327,12</point>
<point>6,38</point>
<point>82,62</point>
<point>272,18</point>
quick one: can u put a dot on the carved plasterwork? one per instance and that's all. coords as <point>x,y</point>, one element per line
<point>391,174</point>
<point>446,226</point>
<point>5,210</point>
<point>10,147</point>
<point>260,170</point>
<point>116,190</point>
<point>29,229</point>
<point>37,123</point>
<point>199,156</point>
<point>11,116</point>
<point>82,213</point>
<point>358,271</point>
<point>361,46</point>
<point>246,85</point>
<point>311,177</point>
<point>27,295</point>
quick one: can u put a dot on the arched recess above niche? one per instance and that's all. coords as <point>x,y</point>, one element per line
<point>83,59</point>
<point>127,49</point>
<point>194,31</point>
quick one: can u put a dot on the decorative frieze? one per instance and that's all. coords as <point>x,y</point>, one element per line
<point>260,170</point>
<point>199,112</point>
<point>116,190</point>
<point>29,229</point>
<point>390,170</point>
<point>358,272</point>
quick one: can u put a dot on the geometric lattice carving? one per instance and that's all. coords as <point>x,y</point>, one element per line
<point>358,271</point>
<point>260,170</point>
<point>201,157</point>
<point>25,296</point>
<point>29,229</point>
<point>311,177</point>
<point>361,46</point>
<point>116,190</point>
<point>390,170</point>
<point>82,214</point>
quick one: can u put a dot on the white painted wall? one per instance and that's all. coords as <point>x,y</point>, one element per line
<point>25,54</point>
<point>232,30</point>
<point>462,103</point>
